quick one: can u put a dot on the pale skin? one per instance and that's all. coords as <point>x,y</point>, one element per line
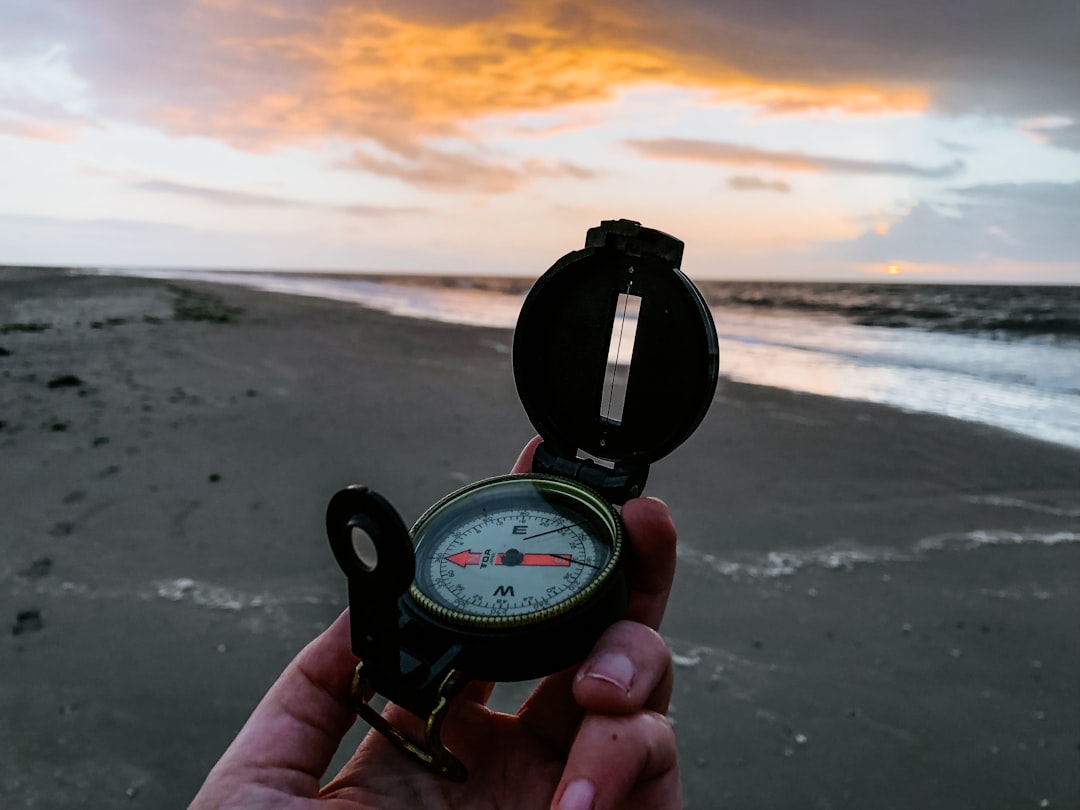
<point>594,737</point>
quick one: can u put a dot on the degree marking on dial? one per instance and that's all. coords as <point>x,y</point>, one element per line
<point>559,528</point>
<point>457,559</point>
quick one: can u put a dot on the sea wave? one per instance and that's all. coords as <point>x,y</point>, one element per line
<point>999,311</point>
<point>1021,375</point>
<point>748,566</point>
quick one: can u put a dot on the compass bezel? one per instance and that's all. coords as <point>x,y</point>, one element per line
<point>430,526</point>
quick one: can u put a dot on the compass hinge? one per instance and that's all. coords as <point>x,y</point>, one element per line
<point>615,484</point>
<point>631,238</point>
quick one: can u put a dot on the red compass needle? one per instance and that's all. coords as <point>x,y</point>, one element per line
<point>509,557</point>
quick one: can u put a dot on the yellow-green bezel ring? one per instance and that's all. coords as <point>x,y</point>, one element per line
<point>555,483</point>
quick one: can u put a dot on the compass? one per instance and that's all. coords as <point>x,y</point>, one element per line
<point>516,577</point>
<point>514,551</point>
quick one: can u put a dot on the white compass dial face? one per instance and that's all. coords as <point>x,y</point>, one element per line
<point>511,551</point>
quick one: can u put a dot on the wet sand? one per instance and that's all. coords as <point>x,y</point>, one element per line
<point>872,608</point>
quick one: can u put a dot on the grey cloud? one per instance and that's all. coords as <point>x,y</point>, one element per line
<point>1062,196</point>
<point>736,154</point>
<point>232,198</point>
<point>1004,57</point>
<point>953,146</point>
<point>562,168</point>
<point>218,195</point>
<point>438,170</point>
<point>139,57</point>
<point>120,242</point>
<point>1063,137</point>
<point>1032,222</point>
<point>40,120</point>
<point>744,182</point>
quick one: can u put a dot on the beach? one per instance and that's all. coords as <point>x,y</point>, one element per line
<point>873,608</point>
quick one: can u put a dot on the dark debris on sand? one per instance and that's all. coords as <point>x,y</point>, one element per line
<point>10,328</point>
<point>108,322</point>
<point>66,381</point>
<point>189,305</point>
<point>38,569</point>
<point>27,621</point>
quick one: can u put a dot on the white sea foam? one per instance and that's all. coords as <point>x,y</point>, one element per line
<point>750,566</point>
<point>182,589</point>
<point>218,597</point>
<point>994,537</point>
<point>785,563</point>
<point>1018,503</point>
<point>685,661</point>
<point>205,595</point>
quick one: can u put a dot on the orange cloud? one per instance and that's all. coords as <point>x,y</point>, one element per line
<point>847,98</point>
<point>383,76</point>
<point>37,130</point>
<point>743,182</point>
<point>437,170</point>
<point>739,155</point>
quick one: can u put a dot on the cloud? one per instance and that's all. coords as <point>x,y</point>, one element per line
<point>64,241</point>
<point>999,57</point>
<point>217,195</point>
<point>39,119</point>
<point>561,168</point>
<point>1033,222</point>
<point>227,197</point>
<point>745,182</point>
<point>265,73</point>
<point>1067,137</point>
<point>1064,134</point>
<point>737,155</point>
<point>1060,196</point>
<point>38,130</point>
<point>437,170</point>
<point>954,146</point>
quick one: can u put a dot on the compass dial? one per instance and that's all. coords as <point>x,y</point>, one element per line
<point>513,550</point>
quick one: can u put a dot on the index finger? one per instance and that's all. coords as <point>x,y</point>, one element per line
<point>525,459</point>
<point>652,559</point>
<point>652,549</point>
<point>551,711</point>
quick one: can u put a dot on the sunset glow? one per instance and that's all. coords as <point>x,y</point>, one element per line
<point>418,137</point>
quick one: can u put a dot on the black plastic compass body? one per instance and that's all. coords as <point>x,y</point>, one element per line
<point>516,577</point>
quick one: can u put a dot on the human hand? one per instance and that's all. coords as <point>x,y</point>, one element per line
<point>591,737</point>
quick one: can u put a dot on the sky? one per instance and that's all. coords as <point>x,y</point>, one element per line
<point>925,140</point>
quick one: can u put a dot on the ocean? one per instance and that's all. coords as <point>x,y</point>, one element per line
<point>1006,356</point>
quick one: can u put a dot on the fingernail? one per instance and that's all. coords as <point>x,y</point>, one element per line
<point>578,795</point>
<point>614,668</point>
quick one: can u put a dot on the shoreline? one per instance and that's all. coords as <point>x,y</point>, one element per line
<point>801,336</point>
<point>165,550</point>
<point>425,278</point>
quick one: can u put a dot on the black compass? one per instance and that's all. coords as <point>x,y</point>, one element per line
<point>516,577</point>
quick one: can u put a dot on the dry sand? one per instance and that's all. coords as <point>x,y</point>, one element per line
<point>167,451</point>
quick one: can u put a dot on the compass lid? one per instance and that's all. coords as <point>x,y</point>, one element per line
<point>621,298</point>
